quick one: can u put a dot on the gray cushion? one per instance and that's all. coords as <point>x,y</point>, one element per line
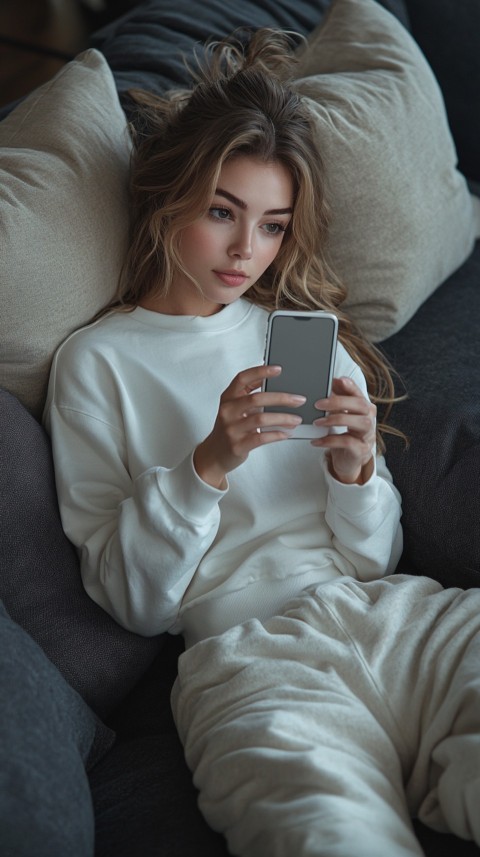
<point>48,736</point>
<point>39,573</point>
<point>437,355</point>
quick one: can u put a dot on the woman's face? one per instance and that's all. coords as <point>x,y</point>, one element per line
<point>230,246</point>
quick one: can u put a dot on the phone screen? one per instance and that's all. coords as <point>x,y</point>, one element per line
<point>304,346</point>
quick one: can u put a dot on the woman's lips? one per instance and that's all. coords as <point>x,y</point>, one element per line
<point>231,278</point>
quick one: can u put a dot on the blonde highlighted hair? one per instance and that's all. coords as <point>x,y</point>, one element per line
<point>242,103</point>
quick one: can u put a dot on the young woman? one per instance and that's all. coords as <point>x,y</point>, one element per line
<point>321,701</point>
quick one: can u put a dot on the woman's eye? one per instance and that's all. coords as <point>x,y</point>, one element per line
<point>274,228</point>
<point>219,213</point>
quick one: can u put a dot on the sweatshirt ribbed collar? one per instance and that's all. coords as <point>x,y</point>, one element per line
<point>228,317</point>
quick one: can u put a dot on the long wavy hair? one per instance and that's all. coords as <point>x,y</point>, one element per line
<point>242,102</point>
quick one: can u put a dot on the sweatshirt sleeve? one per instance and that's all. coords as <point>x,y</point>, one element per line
<point>140,540</point>
<point>365,519</point>
<point>365,522</point>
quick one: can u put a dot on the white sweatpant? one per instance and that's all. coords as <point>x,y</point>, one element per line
<point>321,731</point>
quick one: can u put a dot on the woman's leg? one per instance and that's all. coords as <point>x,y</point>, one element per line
<point>420,644</point>
<point>446,777</point>
<point>293,746</point>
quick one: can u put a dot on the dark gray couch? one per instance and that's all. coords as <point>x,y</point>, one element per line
<point>143,799</point>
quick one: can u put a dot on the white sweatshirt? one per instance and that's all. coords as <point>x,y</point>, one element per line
<point>129,399</point>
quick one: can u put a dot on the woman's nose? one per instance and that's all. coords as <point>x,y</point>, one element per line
<point>241,246</point>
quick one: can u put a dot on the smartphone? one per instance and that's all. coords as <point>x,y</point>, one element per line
<point>304,345</point>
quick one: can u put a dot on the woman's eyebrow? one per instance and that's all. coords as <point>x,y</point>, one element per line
<point>241,204</point>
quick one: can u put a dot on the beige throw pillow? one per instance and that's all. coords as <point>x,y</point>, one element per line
<point>403,219</point>
<point>64,155</point>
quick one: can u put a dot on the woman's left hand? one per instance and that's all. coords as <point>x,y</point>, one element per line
<point>351,452</point>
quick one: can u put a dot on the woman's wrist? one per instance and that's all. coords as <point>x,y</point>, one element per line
<point>208,469</point>
<point>358,477</point>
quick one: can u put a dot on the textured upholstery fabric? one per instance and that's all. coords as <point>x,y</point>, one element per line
<point>47,737</point>
<point>63,217</point>
<point>437,356</point>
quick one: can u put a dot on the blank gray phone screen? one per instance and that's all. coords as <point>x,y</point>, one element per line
<point>304,346</point>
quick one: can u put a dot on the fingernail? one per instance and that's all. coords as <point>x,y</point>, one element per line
<point>275,370</point>
<point>300,399</point>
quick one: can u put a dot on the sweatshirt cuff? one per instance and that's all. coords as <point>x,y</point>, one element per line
<point>353,500</point>
<point>185,491</point>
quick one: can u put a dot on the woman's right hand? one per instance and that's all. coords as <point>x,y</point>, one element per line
<point>242,424</point>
